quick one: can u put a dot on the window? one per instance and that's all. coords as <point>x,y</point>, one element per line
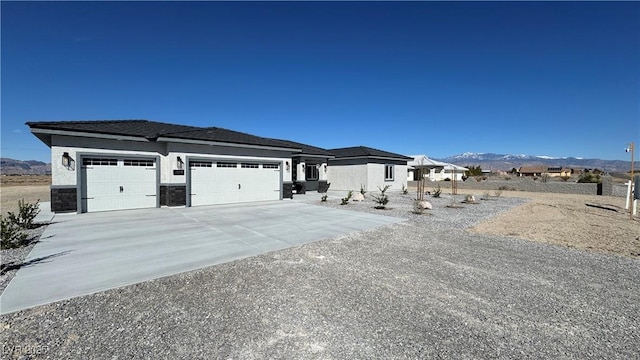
<point>200,163</point>
<point>134,162</point>
<point>248,166</point>
<point>96,161</point>
<point>311,172</point>
<point>271,166</point>
<point>388,172</point>
<point>221,164</point>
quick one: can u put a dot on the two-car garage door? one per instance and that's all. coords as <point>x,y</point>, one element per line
<point>111,183</point>
<point>224,182</point>
<point>118,183</point>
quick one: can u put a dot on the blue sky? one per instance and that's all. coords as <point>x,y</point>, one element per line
<point>542,78</point>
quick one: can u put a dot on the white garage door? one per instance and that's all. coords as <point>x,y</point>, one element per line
<point>224,182</point>
<point>118,184</point>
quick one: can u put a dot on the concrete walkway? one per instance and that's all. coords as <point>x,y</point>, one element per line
<point>87,253</point>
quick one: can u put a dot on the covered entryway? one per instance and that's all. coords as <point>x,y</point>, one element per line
<point>225,182</point>
<point>112,183</point>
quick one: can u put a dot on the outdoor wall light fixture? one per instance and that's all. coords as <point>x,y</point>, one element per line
<point>325,167</point>
<point>288,166</point>
<point>303,167</point>
<point>66,159</point>
<point>180,163</point>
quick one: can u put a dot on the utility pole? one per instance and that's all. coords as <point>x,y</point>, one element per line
<point>631,149</point>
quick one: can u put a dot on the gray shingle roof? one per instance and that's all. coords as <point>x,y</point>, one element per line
<point>152,130</point>
<point>306,149</point>
<point>363,151</point>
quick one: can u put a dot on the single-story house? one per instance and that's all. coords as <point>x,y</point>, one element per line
<point>129,164</point>
<point>536,170</point>
<point>361,166</point>
<point>434,170</point>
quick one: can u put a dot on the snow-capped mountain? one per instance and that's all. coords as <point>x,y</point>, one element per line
<point>508,161</point>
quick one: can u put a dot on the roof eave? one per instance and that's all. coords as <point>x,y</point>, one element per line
<point>222,143</point>
<point>47,133</point>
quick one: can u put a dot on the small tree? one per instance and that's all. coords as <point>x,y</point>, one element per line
<point>382,200</point>
<point>544,177</point>
<point>345,200</point>
<point>474,171</point>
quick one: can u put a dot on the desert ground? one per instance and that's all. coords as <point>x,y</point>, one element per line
<point>592,223</point>
<point>587,222</point>
<point>30,188</point>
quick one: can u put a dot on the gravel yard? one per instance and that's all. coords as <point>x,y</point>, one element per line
<point>424,288</point>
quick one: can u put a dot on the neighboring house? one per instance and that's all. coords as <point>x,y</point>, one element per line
<point>434,170</point>
<point>130,164</point>
<point>536,170</point>
<point>451,172</point>
<point>358,166</point>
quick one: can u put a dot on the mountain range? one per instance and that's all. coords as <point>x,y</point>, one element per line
<point>506,162</point>
<point>19,167</point>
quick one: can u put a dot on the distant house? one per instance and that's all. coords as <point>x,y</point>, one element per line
<point>370,168</point>
<point>536,170</point>
<point>539,170</point>
<point>433,170</point>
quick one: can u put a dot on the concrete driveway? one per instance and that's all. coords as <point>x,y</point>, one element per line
<point>87,253</point>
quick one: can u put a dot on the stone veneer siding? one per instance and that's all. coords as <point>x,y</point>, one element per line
<point>64,199</point>
<point>287,190</point>
<point>173,195</point>
<point>323,186</point>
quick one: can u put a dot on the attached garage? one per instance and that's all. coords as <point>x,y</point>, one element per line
<point>116,183</point>
<point>230,181</point>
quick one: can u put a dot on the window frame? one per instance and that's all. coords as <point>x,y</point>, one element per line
<point>314,171</point>
<point>389,172</point>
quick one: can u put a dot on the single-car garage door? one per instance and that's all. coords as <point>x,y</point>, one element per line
<point>111,183</point>
<point>224,182</point>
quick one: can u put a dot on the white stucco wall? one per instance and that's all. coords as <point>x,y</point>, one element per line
<point>168,154</point>
<point>351,177</point>
<point>376,178</point>
<point>347,177</point>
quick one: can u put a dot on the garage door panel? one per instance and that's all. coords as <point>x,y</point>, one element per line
<point>223,185</point>
<point>118,184</point>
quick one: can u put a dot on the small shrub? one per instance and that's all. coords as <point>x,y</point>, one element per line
<point>565,178</point>
<point>382,200</point>
<point>497,193</point>
<point>12,234</point>
<point>362,190</point>
<point>345,200</point>
<point>486,195</point>
<point>323,198</point>
<point>405,191</point>
<point>544,177</point>
<point>507,177</point>
<point>447,179</point>
<point>26,214</point>
<point>437,191</point>
<point>478,178</point>
<point>588,177</point>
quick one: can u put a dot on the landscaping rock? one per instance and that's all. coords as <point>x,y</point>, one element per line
<point>425,205</point>
<point>358,197</point>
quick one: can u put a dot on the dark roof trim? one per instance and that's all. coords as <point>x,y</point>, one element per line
<point>360,152</point>
<point>145,130</point>
<point>207,142</point>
